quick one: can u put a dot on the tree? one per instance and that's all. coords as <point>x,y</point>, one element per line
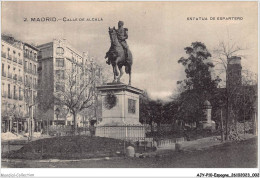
<point>198,85</point>
<point>31,101</point>
<point>144,107</point>
<point>198,68</point>
<point>150,110</point>
<point>76,91</point>
<point>222,53</point>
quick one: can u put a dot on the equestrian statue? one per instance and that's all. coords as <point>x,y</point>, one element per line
<point>119,54</point>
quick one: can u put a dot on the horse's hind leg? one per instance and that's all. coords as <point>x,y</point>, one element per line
<point>129,75</point>
<point>114,71</point>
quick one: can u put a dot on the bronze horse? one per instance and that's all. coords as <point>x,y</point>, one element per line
<point>116,55</point>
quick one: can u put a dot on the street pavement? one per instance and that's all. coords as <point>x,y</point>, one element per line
<point>203,153</point>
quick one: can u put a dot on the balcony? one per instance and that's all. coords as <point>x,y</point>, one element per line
<point>3,54</point>
<point>10,75</point>
<point>3,74</point>
<point>9,96</point>
<point>16,97</point>
<point>27,84</point>
<point>20,79</point>
<point>20,97</point>
<point>15,77</point>
<point>4,95</point>
<point>15,59</point>
<point>20,61</point>
<point>9,57</point>
<point>35,86</point>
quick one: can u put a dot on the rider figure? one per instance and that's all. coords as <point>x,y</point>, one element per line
<point>122,35</point>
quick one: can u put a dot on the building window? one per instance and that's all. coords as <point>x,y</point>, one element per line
<point>8,68</point>
<point>60,74</point>
<point>20,90</point>
<point>3,89</point>
<point>35,71</point>
<point>25,65</point>
<point>60,87</point>
<point>131,106</point>
<point>3,68</point>
<point>9,91</point>
<point>59,62</point>
<point>35,56</point>
<point>14,91</point>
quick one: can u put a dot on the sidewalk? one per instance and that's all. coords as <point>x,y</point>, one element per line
<point>187,146</point>
<point>200,144</point>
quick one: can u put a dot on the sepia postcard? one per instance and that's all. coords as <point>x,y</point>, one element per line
<point>129,85</point>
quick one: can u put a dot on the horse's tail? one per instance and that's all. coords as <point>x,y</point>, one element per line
<point>128,69</point>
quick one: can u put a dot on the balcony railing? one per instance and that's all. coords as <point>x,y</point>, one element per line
<point>3,54</point>
<point>16,97</point>
<point>20,79</point>
<point>15,77</point>
<point>4,95</point>
<point>9,96</point>
<point>3,74</point>
<point>9,57</point>
<point>15,59</point>
<point>20,61</point>
<point>27,84</point>
<point>20,97</point>
<point>35,86</point>
<point>10,75</point>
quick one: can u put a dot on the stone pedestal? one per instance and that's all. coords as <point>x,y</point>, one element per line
<point>120,112</point>
<point>207,123</point>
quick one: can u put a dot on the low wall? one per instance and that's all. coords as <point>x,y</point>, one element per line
<point>169,142</point>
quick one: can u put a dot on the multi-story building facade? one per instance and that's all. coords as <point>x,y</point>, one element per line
<point>55,60</point>
<point>19,86</point>
<point>13,108</point>
<point>30,54</point>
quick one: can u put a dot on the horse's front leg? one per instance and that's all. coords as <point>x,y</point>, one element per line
<point>116,66</point>
<point>121,73</point>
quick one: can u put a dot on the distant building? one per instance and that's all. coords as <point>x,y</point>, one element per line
<point>19,85</point>
<point>13,108</point>
<point>31,84</point>
<point>55,59</point>
<point>238,98</point>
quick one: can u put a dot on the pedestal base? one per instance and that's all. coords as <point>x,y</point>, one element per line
<point>207,125</point>
<point>120,112</point>
<point>124,132</point>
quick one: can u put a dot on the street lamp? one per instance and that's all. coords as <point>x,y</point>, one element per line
<point>57,112</point>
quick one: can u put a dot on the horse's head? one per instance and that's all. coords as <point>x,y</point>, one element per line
<point>113,35</point>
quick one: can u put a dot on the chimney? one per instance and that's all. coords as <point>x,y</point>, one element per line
<point>234,68</point>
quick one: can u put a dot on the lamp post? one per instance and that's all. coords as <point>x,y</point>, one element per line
<point>57,112</point>
<point>221,103</point>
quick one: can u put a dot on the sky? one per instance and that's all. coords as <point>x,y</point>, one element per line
<point>158,33</point>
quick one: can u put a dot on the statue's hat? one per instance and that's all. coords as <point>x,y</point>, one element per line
<point>120,23</point>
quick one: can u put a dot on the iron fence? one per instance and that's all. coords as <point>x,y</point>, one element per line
<point>67,130</point>
<point>121,132</point>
